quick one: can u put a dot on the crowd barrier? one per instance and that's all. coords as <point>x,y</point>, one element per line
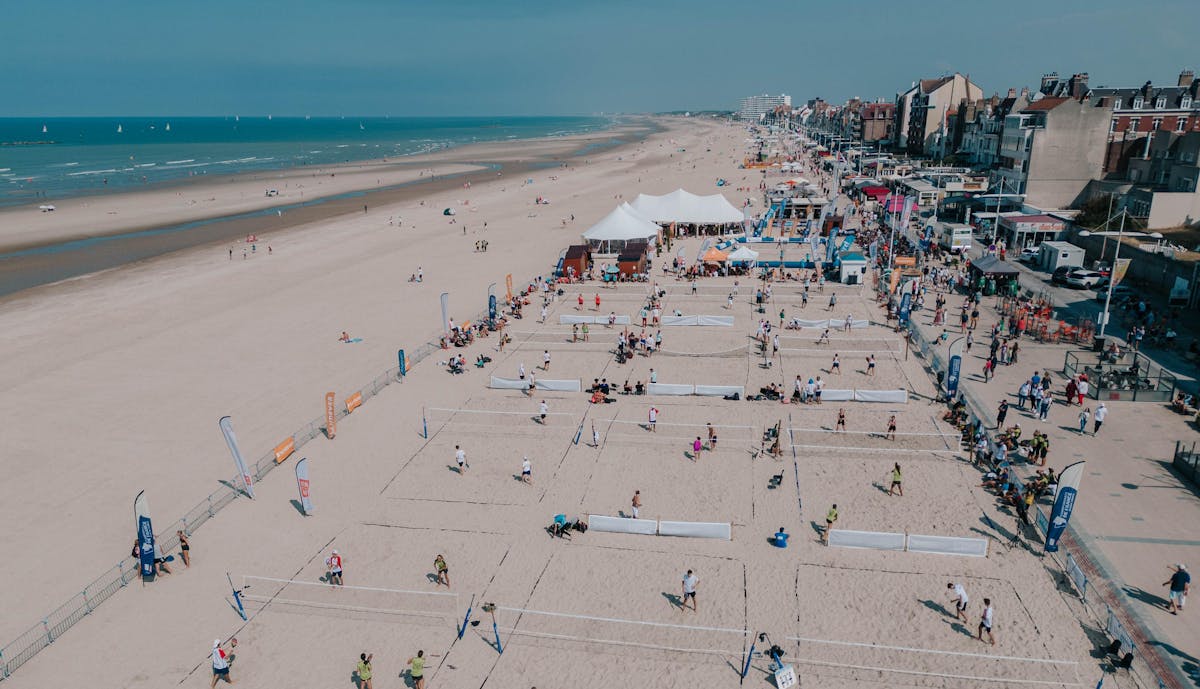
<point>857,395</point>
<point>701,390</point>
<point>649,527</point>
<point>572,319</point>
<point>913,543</point>
<point>543,384</point>
<point>723,321</point>
<point>831,323</point>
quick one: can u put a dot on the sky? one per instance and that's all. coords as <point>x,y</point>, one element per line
<point>535,57</point>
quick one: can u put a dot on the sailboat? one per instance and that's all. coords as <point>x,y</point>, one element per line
<point>268,117</point>
<point>168,126</point>
<point>119,130</point>
<point>43,129</point>
<point>361,127</point>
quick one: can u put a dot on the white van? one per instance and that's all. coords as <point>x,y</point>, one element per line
<point>955,237</point>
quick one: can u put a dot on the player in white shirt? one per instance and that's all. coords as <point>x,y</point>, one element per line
<point>461,457</point>
<point>960,600</point>
<point>985,621</point>
<point>689,590</point>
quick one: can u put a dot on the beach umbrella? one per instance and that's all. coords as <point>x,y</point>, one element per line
<point>714,255</point>
<point>449,211</point>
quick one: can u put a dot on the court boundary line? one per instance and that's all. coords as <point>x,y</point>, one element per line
<point>863,644</point>
<point>1001,680</point>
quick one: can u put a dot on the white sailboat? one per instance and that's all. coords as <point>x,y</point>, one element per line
<point>168,126</point>
<point>361,127</point>
<point>43,129</point>
<point>119,130</point>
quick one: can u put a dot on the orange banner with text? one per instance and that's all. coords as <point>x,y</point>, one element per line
<point>353,402</point>
<point>330,415</point>
<point>508,286</point>
<point>284,450</point>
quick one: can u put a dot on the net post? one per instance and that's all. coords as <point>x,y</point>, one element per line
<point>746,667</point>
<point>467,619</point>
<point>424,425</point>
<point>237,597</point>
<point>578,433</point>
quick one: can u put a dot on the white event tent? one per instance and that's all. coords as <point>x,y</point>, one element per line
<point>685,208</point>
<point>620,227</point>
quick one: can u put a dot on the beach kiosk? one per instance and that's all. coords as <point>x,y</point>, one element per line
<point>577,258</point>
<point>853,267</point>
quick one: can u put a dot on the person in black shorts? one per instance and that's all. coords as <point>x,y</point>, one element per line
<point>891,431</point>
<point>184,549</point>
<point>836,366</point>
<point>841,422</point>
<point>871,365</point>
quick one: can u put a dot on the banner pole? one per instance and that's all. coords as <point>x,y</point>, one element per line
<point>237,597</point>
<point>466,620</point>
<point>424,425</point>
<point>746,667</point>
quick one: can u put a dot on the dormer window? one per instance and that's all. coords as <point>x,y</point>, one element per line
<point>1116,104</point>
<point>1186,102</point>
<point>1160,103</point>
<point>1137,103</point>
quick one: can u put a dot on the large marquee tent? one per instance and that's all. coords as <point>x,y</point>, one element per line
<point>685,208</point>
<point>620,227</point>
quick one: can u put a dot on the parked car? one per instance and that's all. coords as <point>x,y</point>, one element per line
<point>1085,279</point>
<point>1120,294</point>
<point>1059,276</point>
<point>1028,254</point>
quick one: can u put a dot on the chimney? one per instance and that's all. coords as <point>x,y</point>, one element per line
<point>1048,82</point>
<point>1012,93</point>
<point>1025,92</point>
<point>1185,77</point>
<point>1079,85</point>
<point>1146,89</point>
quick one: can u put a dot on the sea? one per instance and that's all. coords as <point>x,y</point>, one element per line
<point>42,159</point>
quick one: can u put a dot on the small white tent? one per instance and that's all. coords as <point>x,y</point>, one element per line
<point>618,228</point>
<point>742,253</point>
<point>686,208</point>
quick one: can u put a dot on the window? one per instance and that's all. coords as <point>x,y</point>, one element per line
<point>1137,103</point>
<point>1112,126</point>
<point>1181,124</point>
<point>1185,102</point>
<point>1160,103</point>
<point>1116,104</point>
<point>1133,123</point>
<point>1155,123</point>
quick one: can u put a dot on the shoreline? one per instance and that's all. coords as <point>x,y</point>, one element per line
<point>30,266</point>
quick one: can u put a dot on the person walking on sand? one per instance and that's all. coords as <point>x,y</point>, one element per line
<point>334,565</point>
<point>896,486</point>
<point>597,301</point>
<point>1180,584</point>
<point>1098,421</point>
<point>891,431</point>
<point>546,360</point>
<point>960,601</point>
<point>636,503</point>
<point>871,365</point>
<point>521,371</point>
<point>831,518</point>
<point>653,418</point>
<point>364,670</point>
<point>185,548</point>
<point>1084,417</point>
<point>417,672</point>
<point>841,421</point>
<point>579,302</point>
<point>545,312</point>
<point>1001,414</point>
<point>836,366</point>
<point>526,471</point>
<point>697,446</point>
<point>712,436</point>
<point>690,580</point>
<point>443,572</point>
<point>220,664</point>
<point>595,436</point>
<point>460,456</point>
<point>542,411</point>
<point>986,620</point>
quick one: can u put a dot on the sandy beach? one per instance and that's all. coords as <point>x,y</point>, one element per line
<point>127,372</point>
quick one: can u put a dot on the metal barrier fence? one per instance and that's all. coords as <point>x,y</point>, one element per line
<point>1080,566</point>
<point>1187,462</point>
<point>28,644</point>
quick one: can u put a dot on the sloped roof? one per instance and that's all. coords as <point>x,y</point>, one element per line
<point>684,207</point>
<point>621,224</point>
<point>1047,103</point>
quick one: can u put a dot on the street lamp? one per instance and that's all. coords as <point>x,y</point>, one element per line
<point>1116,256</point>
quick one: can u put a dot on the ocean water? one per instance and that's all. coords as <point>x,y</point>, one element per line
<point>58,157</point>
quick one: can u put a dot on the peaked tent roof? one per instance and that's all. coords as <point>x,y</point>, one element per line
<point>990,265</point>
<point>743,253</point>
<point>714,255</point>
<point>684,207</point>
<point>621,224</point>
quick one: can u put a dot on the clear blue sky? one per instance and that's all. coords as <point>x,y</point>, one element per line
<point>433,57</point>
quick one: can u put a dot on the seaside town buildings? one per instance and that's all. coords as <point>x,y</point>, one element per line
<point>755,108</point>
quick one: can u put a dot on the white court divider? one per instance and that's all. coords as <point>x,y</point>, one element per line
<point>724,321</point>
<point>948,545</point>
<point>829,395</point>
<point>508,384</point>
<point>831,323</point>
<point>722,531</point>
<point>872,540</point>
<point>670,389</point>
<point>572,319</point>
<point>560,385</point>
<point>891,396</point>
<point>805,323</point>
<point>720,390</point>
<point>679,320</point>
<point>600,522</point>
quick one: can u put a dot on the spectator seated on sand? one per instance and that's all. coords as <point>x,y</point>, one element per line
<point>1011,437</point>
<point>639,388</point>
<point>456,364</point>
<point>771,392</point>
<point>482,361</point>
<point>1183,403</point>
